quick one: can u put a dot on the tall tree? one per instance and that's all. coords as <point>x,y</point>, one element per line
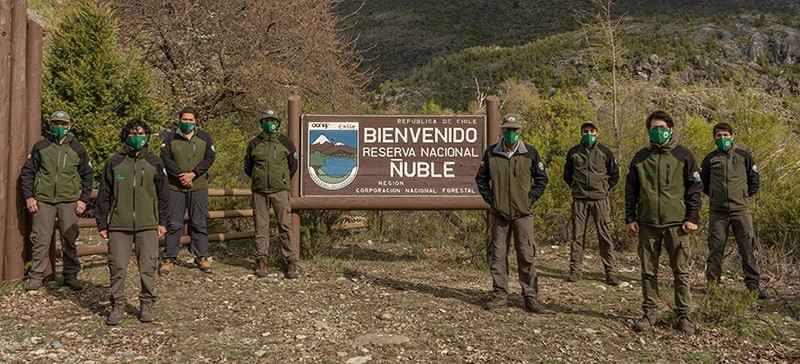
<point>601,31</point>
<point>90,78</point>
<point>237,56</point>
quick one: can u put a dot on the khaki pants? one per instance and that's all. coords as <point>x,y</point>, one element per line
<point>600,212</point>
<point>501,230</point>
<point>43,223</point>
<point>283,213</point>
<point>120,245</point>
<point>676,242</point>
<point>742,224</point>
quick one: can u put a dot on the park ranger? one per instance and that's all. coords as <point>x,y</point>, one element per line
<point>511,179</point>
<point>729,177</point>
<point>662,204</point>
<point>591,171</point>
<point>56,182</point>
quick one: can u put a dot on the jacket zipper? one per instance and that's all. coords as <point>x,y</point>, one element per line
<point>658,196</point>
<point>134,194</point>
<point>55,181</point>
<point>725,182</point>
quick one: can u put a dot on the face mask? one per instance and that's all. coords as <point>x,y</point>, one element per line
<point>588,139</point>
<point>187,127</point>
<point>269,126</point>
<point>723,144</point>
<point>59,131</point>
<point>136,142</point>
<point>660,135</point>
<point>511,136</point>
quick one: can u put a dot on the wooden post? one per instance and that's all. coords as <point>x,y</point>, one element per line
<point>294,108</point>
<point>5,114</point>
<point>13,265</point>
<point>33,127</point>
<point>492,137</point>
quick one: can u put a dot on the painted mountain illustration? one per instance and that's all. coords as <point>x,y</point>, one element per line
<point>323,145</point>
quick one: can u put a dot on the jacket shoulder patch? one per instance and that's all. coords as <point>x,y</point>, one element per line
<point>696,176</point>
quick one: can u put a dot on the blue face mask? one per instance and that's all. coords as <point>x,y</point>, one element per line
<point>660,135</point>
<point>511,136</point>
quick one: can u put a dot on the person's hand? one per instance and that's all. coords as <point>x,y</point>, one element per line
<point>689,227</point>
<point>161,231</point>
<point>633,227</point>
<point>80,207</point>
<point>32,205</point>
<point>104,234</point>
<point>187,178</point>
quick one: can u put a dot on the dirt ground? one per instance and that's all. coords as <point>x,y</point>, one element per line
<point>377,303</point>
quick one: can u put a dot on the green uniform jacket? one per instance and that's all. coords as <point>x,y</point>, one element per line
<point>591,172</point>
<point>511,184</point>
<point>663,186</point>
<point>270,162</point>
<point>56,172</point>
<point>729,178</point>
<point>182,155</point>
<point>134,193</point>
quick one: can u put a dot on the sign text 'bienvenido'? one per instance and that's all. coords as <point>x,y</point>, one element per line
<point>394,156</point>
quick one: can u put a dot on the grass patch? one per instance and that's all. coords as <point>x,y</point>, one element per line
<point>733,309</point>
<point>700,357</point>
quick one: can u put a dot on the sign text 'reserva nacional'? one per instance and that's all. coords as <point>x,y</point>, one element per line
<point>391,156</point>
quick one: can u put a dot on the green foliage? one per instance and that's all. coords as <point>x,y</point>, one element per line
<point>88,75</point>
<point>552,126</point>
<point>230,143</point>
<point>320,232</point>
<point>731,308</point>
<point>432,108</point>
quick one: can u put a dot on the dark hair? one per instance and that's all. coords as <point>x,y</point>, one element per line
<point>722,126</point>
<point>187,110</point>
<point>132,125</point>
<point>659,115</point>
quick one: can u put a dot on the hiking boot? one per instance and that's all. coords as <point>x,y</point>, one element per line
<point>762,295</point>
<point>291,271</point>
<point>644,323</point>
<point>685,325</point>
<point>533,305</point>
<point>574,276</point>
<point>33,284</point>
<point>261,268</point>
<point>146,311</point>
<point>497,301</point>
<point>117,314</point>
<point>203,264</point>
<point>612,280</point>
<point>167,266</point>
<point>73,283</point>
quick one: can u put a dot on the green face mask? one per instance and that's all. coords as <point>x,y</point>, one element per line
<point>59,131</point>
<point>660,135</point>
<point>187,127</point>
<point>723,144</point>
<point>511,136</point>
<point>269,126</point>
<point>588,139</point>
<point>136,142</point>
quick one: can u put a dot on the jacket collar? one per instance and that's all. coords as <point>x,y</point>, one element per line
<point>500,149</point>
<point>663,148</point>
